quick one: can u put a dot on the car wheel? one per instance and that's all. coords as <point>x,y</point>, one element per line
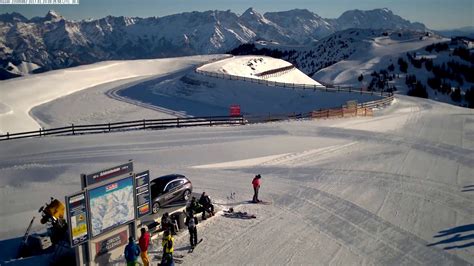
<point>187,194</point>
<point>155,207</point>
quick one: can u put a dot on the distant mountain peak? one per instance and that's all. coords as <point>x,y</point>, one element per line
<point>250,11</point>
<point>382,18</point>
<point>53,16</point>
<point>12,17</point>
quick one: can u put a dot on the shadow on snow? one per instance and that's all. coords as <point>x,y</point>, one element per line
<point>455,235</point>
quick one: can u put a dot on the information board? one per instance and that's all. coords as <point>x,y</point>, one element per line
<point>106,174</point>
<point>142,186</point>
<point>77,218</point>
<point>111,205</point>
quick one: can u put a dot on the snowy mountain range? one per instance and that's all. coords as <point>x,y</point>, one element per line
<point>51,42</point>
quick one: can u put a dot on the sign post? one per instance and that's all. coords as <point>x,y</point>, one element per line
<point>77,218</point>
<point>143,196</point>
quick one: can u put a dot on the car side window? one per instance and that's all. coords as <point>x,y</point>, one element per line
<point>172,185</point>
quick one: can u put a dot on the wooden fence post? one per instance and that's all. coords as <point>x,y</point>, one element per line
<point>210,122</point>
<point>40,132</point>
<point>8,135</point>
<point>177,121</point>
<point>109,126</point>
<point>72,128</point>
<point>144,124</point>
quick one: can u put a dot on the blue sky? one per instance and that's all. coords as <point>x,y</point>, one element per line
<point>436,14</point>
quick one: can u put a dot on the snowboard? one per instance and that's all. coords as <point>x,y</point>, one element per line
<point>191,250</point>
<point>260,202</point>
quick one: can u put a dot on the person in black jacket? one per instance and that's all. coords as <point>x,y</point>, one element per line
<point>206,203</point>
<point>191,222</point>
<point>167,223</point>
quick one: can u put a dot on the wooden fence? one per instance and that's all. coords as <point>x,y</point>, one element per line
<point>275,72</point>
<point>313,87</point>
<point>130,125</point>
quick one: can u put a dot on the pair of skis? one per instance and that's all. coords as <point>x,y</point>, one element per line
<point>178,258</point>
<point>191,250</point>
<point>260,202</point>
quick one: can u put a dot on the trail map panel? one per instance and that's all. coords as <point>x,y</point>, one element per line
<point>111,205</point>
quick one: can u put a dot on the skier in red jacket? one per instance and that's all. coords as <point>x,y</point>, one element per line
<point>256,187</point>
<point>144,242</point>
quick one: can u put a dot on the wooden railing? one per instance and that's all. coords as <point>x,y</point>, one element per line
<point>130,125</point>
<point>275,72</point>
<point>313,87</point>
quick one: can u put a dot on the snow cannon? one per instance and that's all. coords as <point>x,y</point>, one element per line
<point>52,212</point>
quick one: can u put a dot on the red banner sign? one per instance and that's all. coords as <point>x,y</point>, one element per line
<point>235,110</point>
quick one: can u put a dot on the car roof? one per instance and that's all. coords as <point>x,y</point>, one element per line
<point>167,178</point>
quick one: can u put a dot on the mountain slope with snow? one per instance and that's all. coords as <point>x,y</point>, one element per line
<point>391,189</point>
<point>53,42</point>
<point>16,93</point>
<point>342,45</point>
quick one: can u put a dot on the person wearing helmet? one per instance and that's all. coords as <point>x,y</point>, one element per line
<point>256,188</point>
<point>168,247</point>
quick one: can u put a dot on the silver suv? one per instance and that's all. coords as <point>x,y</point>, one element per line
<point>169,188</point>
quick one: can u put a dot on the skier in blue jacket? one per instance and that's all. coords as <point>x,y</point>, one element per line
<point>132,251</point>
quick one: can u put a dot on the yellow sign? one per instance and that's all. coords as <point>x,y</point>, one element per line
<point>79,230</point>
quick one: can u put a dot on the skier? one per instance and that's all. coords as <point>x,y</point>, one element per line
<point>195,207</point>
<point>167,223</point>
<point>256,187</point>
<point>131,252</point>
<point>144,242</point>
<point>205,201</point>
<point>191,222</point>
<point>168,246</point>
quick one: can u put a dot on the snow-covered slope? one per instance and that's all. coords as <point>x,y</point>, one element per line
<point>369,49</point>
<point>393,189</point>
<point>166,87</point>
<point>22,94</point>
<point>53,42</point>
<point>342,45</point>
<point>387,190</point>
<point>251,66</point>
<point>441,69</point>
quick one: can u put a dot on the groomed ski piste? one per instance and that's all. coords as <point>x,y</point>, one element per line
<point>396,188</point>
